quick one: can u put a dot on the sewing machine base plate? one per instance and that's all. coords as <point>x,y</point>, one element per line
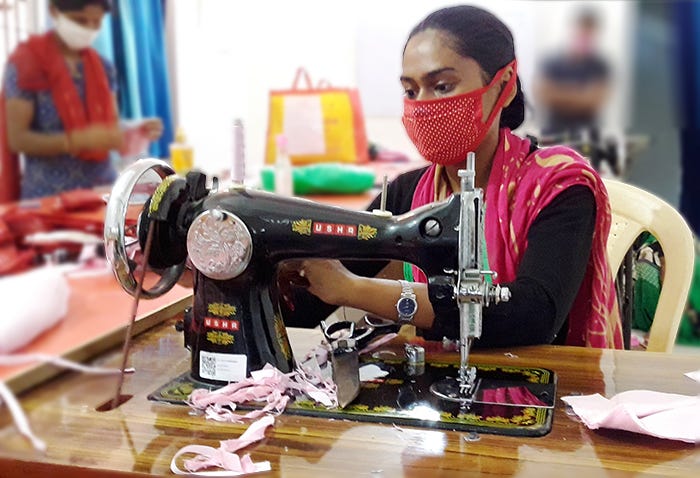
<point>403,398</point>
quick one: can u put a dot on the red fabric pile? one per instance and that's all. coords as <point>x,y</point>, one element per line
<point>79,209</point>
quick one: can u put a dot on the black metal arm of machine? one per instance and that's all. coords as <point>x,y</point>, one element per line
<point>235,240</point>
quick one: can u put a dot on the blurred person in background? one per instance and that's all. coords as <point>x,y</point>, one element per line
<point>572,86</point>
<point>59,110</point>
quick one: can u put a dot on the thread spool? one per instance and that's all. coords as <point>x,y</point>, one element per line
<point>238,166</point>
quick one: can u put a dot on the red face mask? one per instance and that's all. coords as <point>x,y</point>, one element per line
<point>446,129</point>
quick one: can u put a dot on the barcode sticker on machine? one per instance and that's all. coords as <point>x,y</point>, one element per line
<point>223,367</point>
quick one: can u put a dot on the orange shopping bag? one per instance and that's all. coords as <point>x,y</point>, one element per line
<point>322,124</point>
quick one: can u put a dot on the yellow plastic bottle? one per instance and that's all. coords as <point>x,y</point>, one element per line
<point>181,153</point>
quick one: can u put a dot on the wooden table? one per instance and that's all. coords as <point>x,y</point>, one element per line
<point>140,437</point>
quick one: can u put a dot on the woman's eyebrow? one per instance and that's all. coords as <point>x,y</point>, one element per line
<point>430,75</point>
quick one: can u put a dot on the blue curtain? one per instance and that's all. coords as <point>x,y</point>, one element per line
<point>105,43</point>
<point>138,41</point>
<point>687,21</point>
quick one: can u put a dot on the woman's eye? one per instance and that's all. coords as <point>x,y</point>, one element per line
<point>409,93</point>
<point>443,88</point>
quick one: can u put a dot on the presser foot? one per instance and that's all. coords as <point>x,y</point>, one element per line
<point>461,389</point>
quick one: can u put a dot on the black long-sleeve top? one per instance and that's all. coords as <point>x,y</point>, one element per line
<point>547,280</point>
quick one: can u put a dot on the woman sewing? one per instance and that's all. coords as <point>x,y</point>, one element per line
<point>59,108</point>
<point>547,213</point>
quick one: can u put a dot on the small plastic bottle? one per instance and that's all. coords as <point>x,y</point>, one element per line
<point>284,184</point>
<point>181,153</point>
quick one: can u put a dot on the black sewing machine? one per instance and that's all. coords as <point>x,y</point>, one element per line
<point>233,239</point>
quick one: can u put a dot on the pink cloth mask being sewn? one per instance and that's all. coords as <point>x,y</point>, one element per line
<point>446,129</point>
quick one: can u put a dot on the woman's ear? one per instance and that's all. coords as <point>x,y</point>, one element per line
<point>514,90</point>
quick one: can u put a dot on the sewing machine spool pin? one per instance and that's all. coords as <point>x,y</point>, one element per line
<point>384,189</point>
<point>382,212</point>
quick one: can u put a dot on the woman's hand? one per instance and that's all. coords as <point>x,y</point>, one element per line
<point>152,128</point>
<point>328,280</point>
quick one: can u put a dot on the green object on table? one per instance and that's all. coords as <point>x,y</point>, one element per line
<point>647,282</point>
<point>324,178</point>
<point>689,329</point>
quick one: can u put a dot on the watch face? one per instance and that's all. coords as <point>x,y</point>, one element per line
<point>407,306</point>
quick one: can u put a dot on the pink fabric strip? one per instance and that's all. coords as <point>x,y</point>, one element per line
<point>225,456</point>
<point>20,419</point>
<point>659,414</point>
<point>6,395</point>
<point>21,359</point>
<point>267,385</point>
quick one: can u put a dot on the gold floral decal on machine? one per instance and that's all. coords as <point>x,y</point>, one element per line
<point>220,309</point>
<point>282,339</point>
<point>158,194</point>
<point>219,338</point>
<point>365,232</point>
<point>302,226</point>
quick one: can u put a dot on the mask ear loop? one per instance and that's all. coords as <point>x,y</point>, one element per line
<point>505,92</point>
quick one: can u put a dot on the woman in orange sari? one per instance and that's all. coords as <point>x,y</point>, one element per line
<point>59,109</point>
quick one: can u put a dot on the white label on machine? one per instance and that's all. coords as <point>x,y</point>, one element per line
<point>222,367</point>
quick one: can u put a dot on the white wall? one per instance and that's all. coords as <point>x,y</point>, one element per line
<point>228,55</point>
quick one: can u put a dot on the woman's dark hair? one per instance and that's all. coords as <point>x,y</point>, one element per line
<point>72,5</point>
<point>480,35</point>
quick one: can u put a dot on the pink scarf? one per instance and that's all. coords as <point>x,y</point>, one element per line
<point>519,187</point>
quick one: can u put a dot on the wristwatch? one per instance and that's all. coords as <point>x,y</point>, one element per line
<point>407,304</point>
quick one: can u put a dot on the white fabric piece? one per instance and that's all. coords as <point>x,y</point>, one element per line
<point>694,375</point>
<point>662,415</point>
<point>371,371</point>
<point>77,237</point>
<point>33,302</point>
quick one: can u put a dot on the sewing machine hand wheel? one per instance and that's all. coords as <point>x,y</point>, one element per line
<point>115,229</point>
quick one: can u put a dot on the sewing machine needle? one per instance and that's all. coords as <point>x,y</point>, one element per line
<point>134,309</point>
